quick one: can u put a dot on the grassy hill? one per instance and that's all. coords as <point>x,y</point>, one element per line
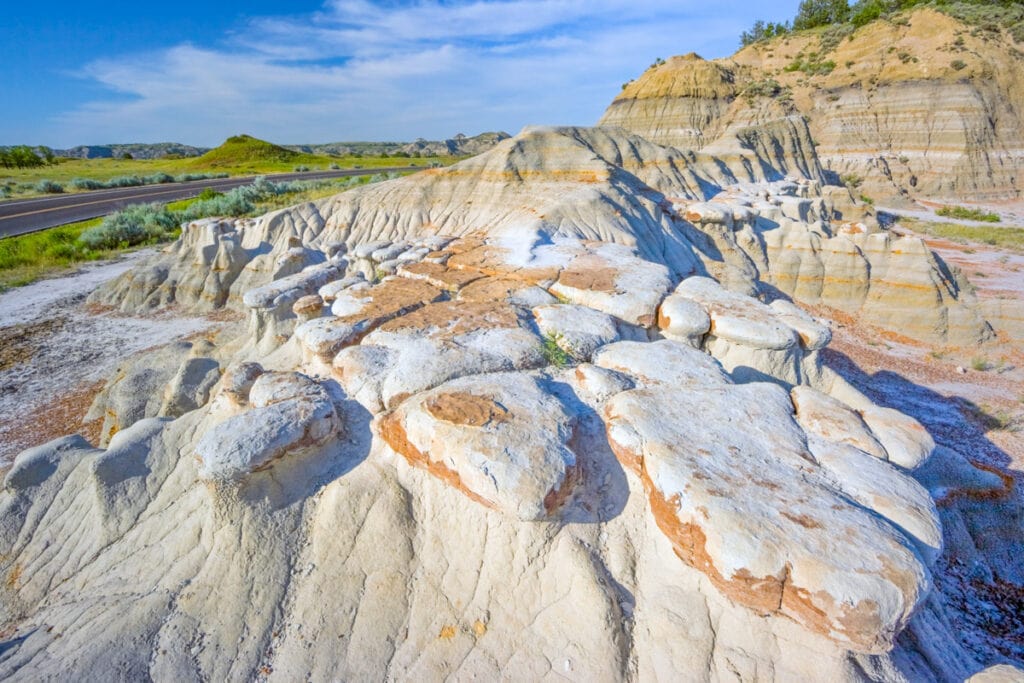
<point>245,149</point>
<point>238,155</point>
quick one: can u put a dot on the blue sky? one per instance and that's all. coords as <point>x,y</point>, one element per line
<point>294,72</point>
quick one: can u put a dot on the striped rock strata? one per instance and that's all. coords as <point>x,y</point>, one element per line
<point>927,107</point>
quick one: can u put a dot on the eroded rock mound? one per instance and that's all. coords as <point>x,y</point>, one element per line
<point>550,410</point>
<point>728,212</point>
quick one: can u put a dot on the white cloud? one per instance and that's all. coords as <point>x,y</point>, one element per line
<point>363,70</point>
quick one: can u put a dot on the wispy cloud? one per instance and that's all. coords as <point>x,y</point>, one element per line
<point>364,70</point>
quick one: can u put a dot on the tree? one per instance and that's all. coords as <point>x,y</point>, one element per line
<point>21,156</point>
<point>814,13</point>
<point>866,11</point>
<point>763,31</point>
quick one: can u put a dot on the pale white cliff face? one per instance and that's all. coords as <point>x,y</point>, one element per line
<point>557,436</point>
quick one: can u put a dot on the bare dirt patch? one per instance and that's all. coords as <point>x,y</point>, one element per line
<point>56,352</point>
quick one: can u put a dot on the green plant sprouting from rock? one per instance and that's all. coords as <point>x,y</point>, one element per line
<point>553,352</point>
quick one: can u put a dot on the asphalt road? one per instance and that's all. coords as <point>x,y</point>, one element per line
<point>30,215</point>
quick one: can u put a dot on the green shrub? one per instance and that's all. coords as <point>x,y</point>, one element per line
<point>968,214</point>
<point>125,181</point>
<point>87,184</point>
<point>209,193</point>
<point>159,179</point>
<point>814,13</point>
<point>851,180</point>
<point>834,35</point>
<point>768,87</point>
<point>189,177</point>
<point>958,64</point>
<point>49,187</point>
<point>866,11</point>
<point>141,224</point>
<point>811,65</point>
<point>553,353</point>
<point>152,223</point>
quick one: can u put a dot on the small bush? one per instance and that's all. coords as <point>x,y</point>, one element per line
<point>553,353</point>
<point>811,65</point>
<point>87,184</point>
<point>851,180</point>
<point>209,193</point>
<point>125,181</point>
<point>769,87</point>
<point>958,64</point>
<point>867,11</point>
<point>834,35</point>
<point>334,167</point>
<point>48,187</point>
<point>980,364</point>
<point>142,224</point>
<point>159,179</point>
<point>189,177</point>
<point>967,214</point>
<point>989,418</point>
<point>301,169</point>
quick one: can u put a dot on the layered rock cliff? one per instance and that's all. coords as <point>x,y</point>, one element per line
<point>920,106</point>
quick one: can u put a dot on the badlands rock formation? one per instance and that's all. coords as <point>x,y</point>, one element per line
<point>926,108</point>
<point>550,412</point>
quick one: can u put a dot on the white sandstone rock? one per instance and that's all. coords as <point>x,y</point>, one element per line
<point>502,439</point>
<point>578,330</point>
<point>746,505</point>
<point>290,415</point>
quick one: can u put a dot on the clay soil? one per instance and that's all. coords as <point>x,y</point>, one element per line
<point>56,352</point>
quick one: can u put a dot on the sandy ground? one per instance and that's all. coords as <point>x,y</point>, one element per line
<point>55,353</point>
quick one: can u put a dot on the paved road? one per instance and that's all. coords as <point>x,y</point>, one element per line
<point>30,215</point>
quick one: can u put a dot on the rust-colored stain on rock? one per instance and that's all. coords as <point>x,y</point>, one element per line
<point>467,409</point>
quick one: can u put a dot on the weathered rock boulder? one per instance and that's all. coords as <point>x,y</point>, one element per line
<point>501,439</point>
<point>288,414</point>
<point>754,511</point>
<point>434,344</point>
<point>170,381</point>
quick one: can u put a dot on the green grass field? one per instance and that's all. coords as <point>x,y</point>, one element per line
<point>239,155</point>
<point>1002,237</point>
<point>27,258</point>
